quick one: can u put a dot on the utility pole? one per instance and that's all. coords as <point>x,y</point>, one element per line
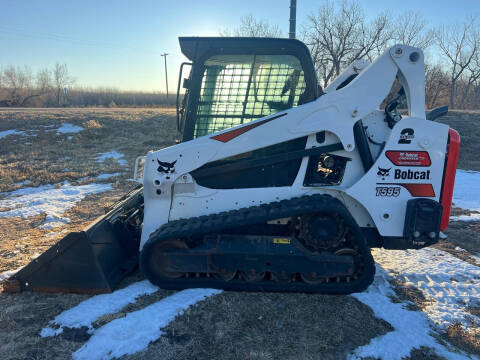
<point>293,19</point>
<point>166,76</point>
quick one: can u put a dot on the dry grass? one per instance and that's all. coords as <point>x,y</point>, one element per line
<point>465,339</point>
<point>465,235</point>
<point>43,157</point>
<point>424,353</point>
<point>22,317</point>
<point>227,326</point>
<point>474,309</point>
<point>409,294</point>
<point>268,326</point>
<point>467,123</point>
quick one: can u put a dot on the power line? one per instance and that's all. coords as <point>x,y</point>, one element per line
<point>71,40</point>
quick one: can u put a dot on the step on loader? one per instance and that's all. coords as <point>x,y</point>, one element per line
<point>277,184</point>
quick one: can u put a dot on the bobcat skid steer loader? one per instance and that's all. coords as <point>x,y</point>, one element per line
<point>276,185</point>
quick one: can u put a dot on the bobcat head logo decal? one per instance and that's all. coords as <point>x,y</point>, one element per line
<point>383,172</point>
<point>166,167</point>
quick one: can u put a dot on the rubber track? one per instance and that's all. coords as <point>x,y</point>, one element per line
<point>216,223</point>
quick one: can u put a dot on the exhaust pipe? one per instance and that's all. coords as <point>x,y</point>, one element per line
<point>293,19</point>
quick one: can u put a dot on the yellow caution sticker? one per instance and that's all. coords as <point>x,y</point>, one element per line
<point>281,241</point>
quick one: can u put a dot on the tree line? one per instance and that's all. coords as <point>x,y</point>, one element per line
<point>339,33</point>
<point>20,87</point>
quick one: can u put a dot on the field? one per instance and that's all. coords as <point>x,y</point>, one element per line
<point>87,156</point>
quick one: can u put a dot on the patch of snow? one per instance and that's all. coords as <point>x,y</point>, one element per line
<point>412,328</point>
<point>464,194</point>
<point>52,200</point>
<point>53,221</point>
<point>48,331</point>
<point>112,155</point>
<point>5,275</point>
<point>22,183</point>
<point>83,178</point>
<point>137,329</point>
<point>10,132</point>
<point>67,128</point>
<point>85,313</point>
<point>476,258</point>
<point>471,217</point>
<point>30,190</point>
<point>450,283</point>
<point>107,176</point>
<point>55,233</point>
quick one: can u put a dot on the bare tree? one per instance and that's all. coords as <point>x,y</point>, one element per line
<point>43,85</point>
<point>339,34</point>
<point>470,80</point>
<point>436,86</point>
<point>411,29</point>
<point>61,80</point>
<point>44,80</point>
<point>460,45</point>
<point>253,27</point>
<point>17,85</point>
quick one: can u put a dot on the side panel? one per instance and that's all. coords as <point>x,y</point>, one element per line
<point>387,187</point>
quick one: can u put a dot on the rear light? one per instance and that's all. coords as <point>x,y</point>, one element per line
<point>453,149</point>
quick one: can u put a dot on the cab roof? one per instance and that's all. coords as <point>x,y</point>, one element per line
<point>197,48</point>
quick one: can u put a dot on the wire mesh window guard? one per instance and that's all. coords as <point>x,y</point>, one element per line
<point>240,88</point>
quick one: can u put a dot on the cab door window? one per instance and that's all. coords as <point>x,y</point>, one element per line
<point>240,88</point>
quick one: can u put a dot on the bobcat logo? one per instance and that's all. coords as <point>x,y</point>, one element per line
<point>166,167</point>
<point>383,172</point>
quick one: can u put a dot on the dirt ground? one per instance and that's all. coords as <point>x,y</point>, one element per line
<point>43,157</point>
<point>467,124</point>
<point>230,325</point>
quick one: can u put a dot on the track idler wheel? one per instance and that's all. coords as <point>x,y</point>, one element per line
<point>158,264</point>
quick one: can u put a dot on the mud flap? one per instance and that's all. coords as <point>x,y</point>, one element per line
<point>91,261</point>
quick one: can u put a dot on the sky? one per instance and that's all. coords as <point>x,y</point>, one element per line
<point>119,43</point>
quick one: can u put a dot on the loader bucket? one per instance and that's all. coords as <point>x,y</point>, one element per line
<point>91,261</point>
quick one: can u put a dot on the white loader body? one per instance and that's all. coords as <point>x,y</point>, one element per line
<point>172,193</point>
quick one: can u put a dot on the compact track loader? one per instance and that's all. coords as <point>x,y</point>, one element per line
<point>277,184</point>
